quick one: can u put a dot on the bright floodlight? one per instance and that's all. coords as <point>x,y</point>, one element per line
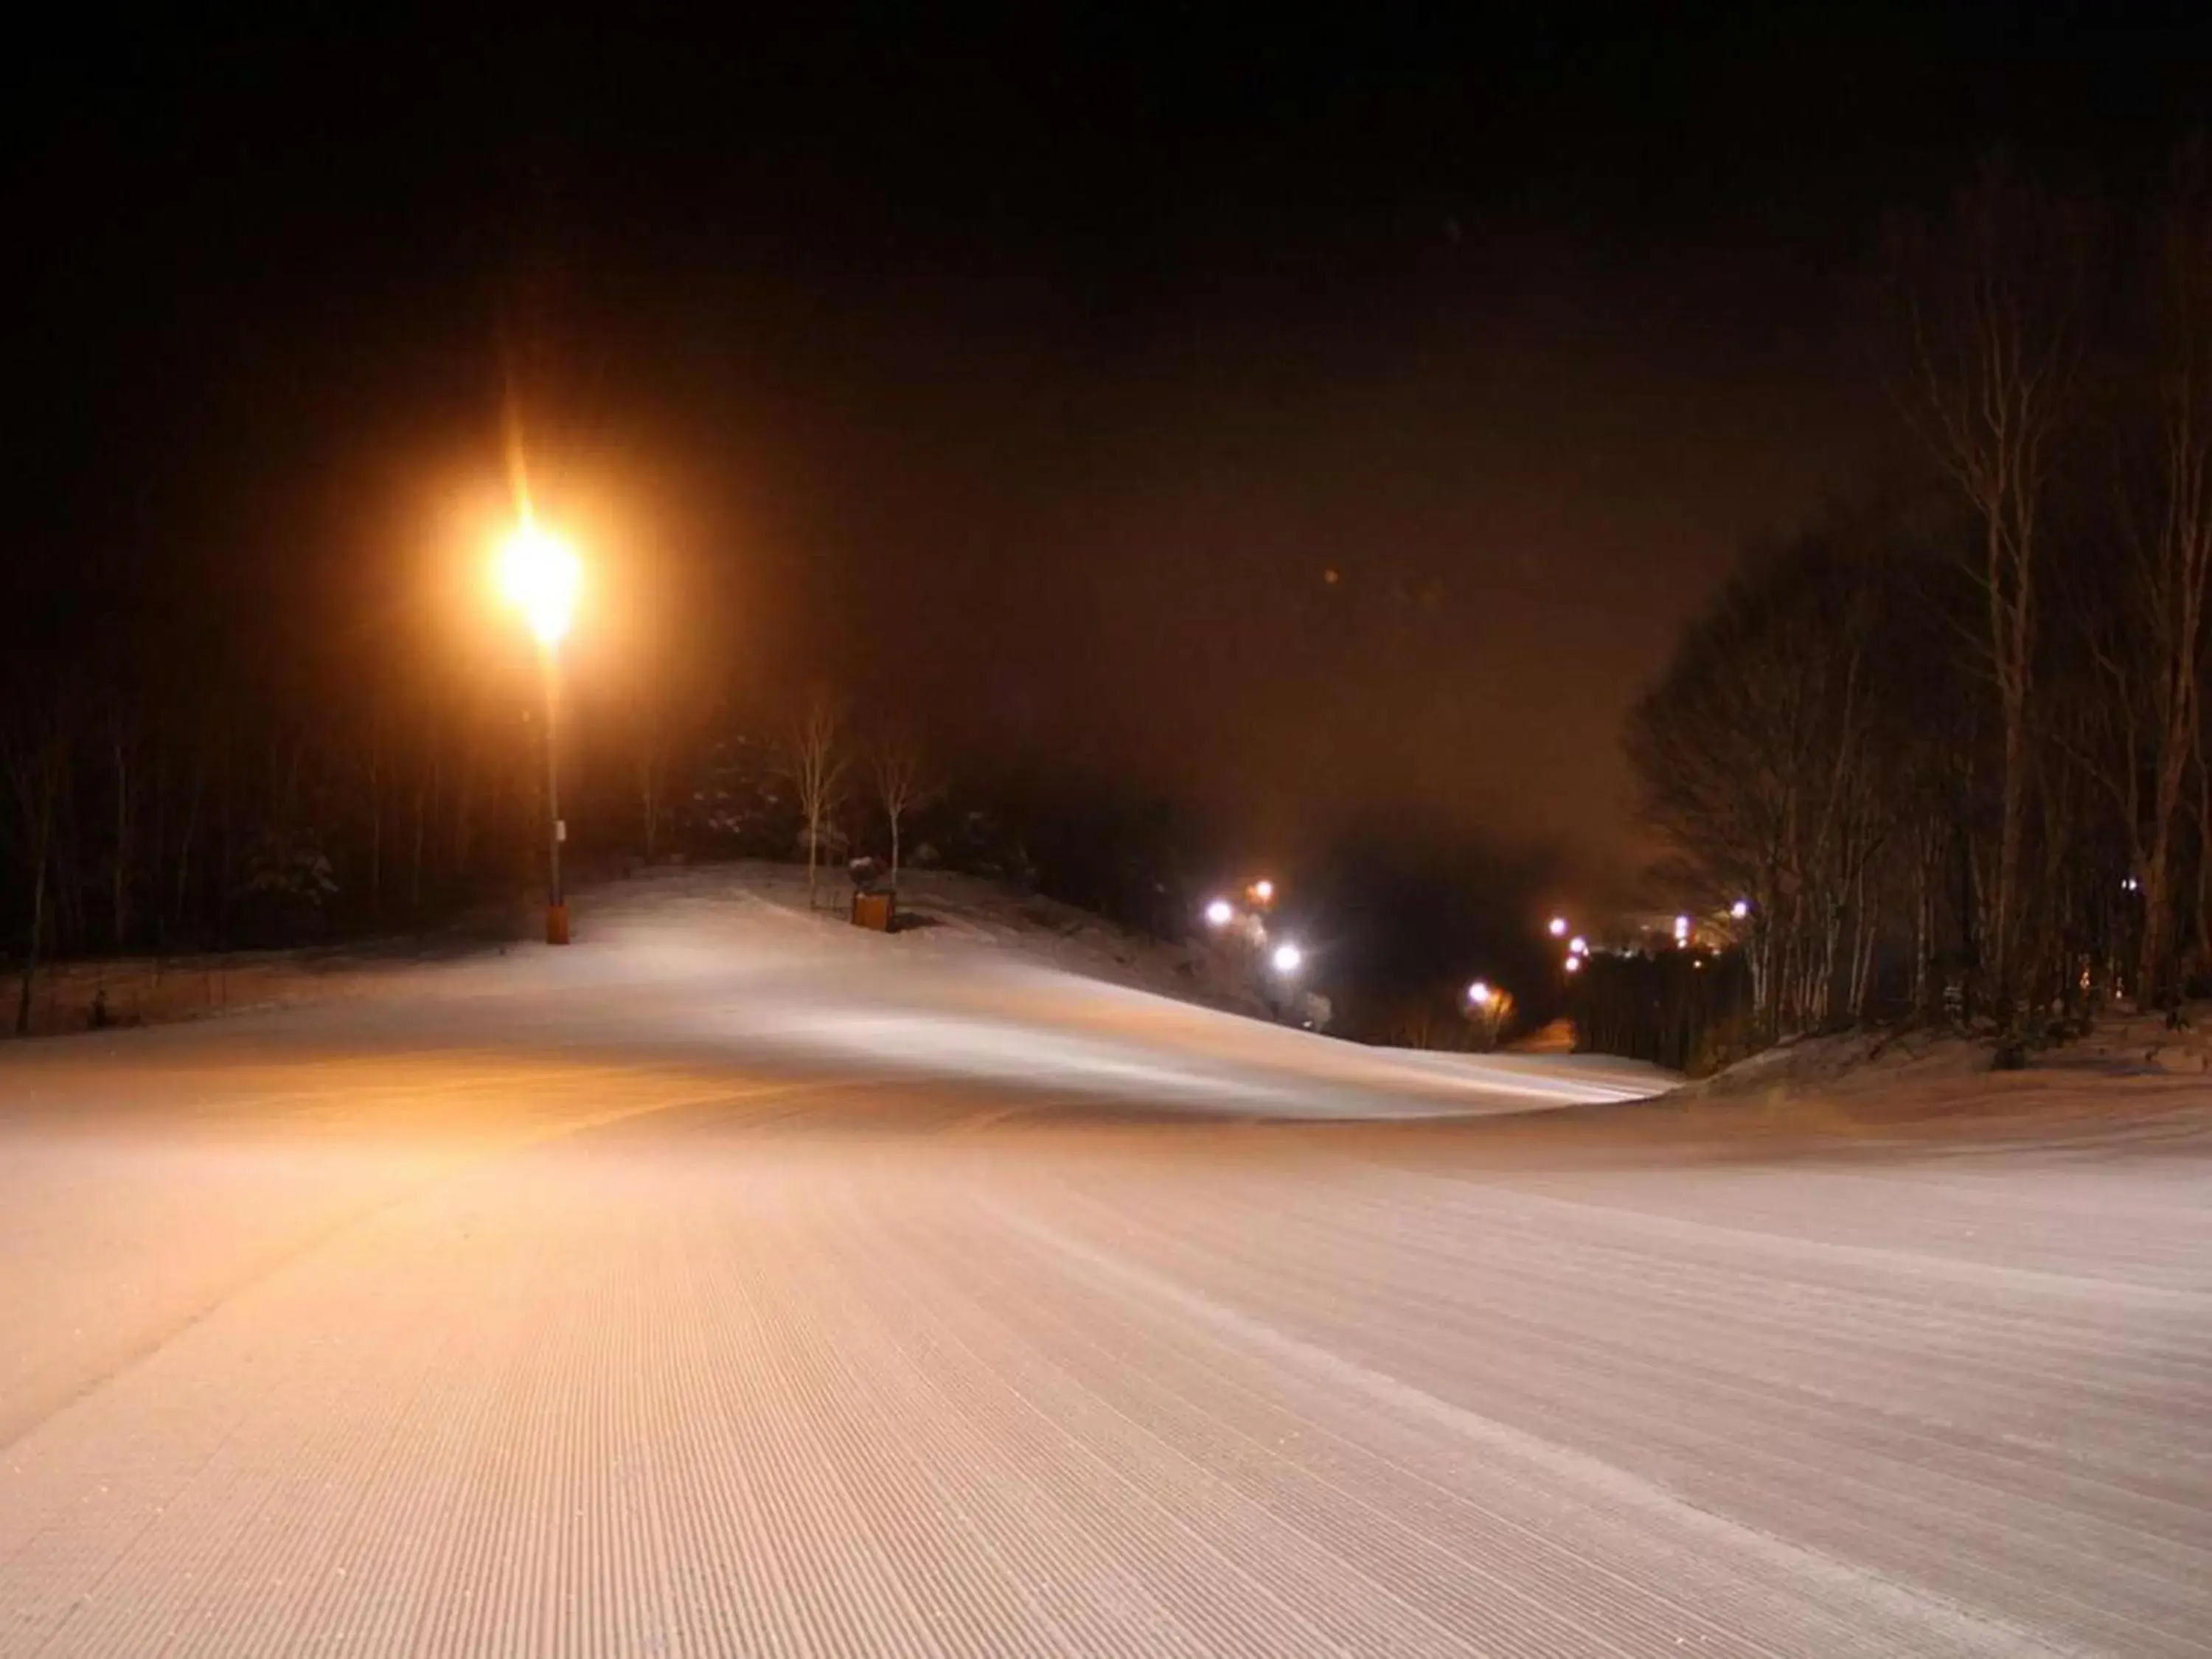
<point>1559,926</point>
<point>1220,913</point>
<point>1287,958</point>
<point>1264,891</point>
<point>1681,929</point>
<point>1739,909</point>
<point>1574,964</point>
<point>541,575</point>
<point>1479,994</point>
<point>1578,946</point>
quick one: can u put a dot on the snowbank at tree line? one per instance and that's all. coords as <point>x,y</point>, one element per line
<point>2128,1064</point>
<point>939,908</point>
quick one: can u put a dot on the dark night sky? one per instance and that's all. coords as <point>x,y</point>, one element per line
<point>1038,373</point>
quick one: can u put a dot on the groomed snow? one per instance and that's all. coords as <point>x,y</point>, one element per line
<point>735,1283</point>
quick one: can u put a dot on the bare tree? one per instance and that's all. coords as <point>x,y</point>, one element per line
<point>1991,298</point>
<point>183,891</point>
<point>374,774</point>
<point>902,784</point>
<point>650,764</point>
<point>123,746</point>
<point>2143,621</point>
<point>816,765</point>
<point>2174,561</point>
<point>1755,755</point>
<point>1488,1017</point>
<point>38,777</point>
<point>426,784</point>
<point>655,742</point>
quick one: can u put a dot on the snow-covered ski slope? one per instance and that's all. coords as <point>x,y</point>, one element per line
<point>734,1285</point>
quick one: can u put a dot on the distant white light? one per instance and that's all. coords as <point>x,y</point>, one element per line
<point>1574,964</point>
<point>1578,946</point>
<point>1220,913</point>
<point>1558,928</point>
<point>1479,994</point>
<point>1681,929</point>
<point>1287,958</point>
<point>1739,909</point>
<point>1264,891</point>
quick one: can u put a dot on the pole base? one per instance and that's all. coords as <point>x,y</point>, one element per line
<point>557,924</point>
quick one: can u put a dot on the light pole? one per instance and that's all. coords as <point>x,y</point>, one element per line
<point>1487,1008</point>
<point>541,575</point>
<point>556,902</point>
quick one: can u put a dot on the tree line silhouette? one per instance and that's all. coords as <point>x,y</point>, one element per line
<point>1950,738</point>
